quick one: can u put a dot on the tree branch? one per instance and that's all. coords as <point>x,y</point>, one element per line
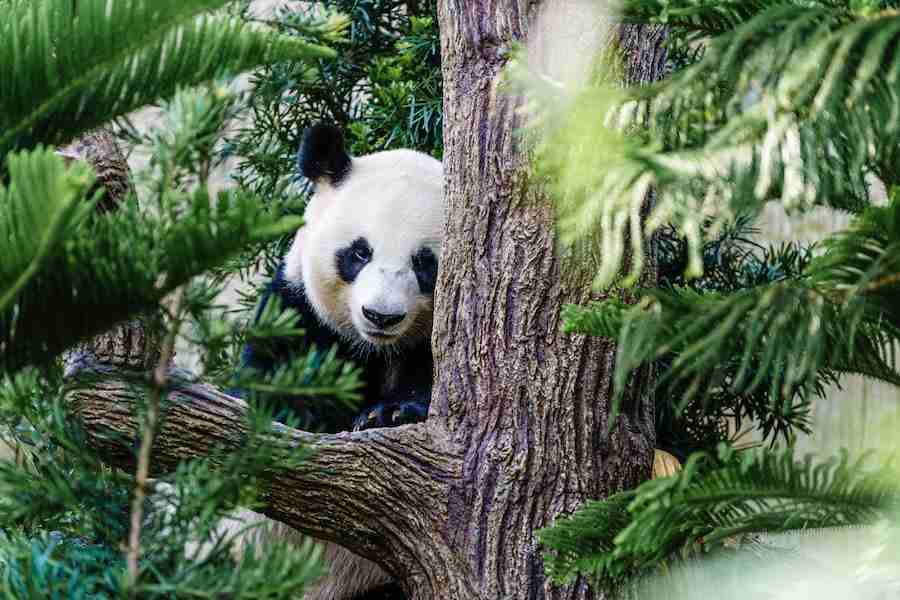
<point>365,490</point>
<point>160,381</point>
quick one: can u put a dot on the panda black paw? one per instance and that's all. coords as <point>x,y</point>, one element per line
<point>391,415</point>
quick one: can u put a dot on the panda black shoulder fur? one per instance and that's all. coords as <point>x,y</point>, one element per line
<point>361,274</point>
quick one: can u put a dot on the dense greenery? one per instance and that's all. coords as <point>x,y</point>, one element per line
<point>70,272</point>
<point>792,102</point>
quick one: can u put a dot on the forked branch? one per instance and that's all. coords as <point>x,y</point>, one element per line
<point>365,490</point>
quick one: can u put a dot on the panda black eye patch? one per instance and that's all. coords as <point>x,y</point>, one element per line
<point>351,259</point>
<point>425,266</point>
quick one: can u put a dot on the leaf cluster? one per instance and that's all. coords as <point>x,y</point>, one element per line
<point>117,58</point>
<point>715,498</point>
<point>741,126</point>
<point>788,101</point>
<point>762,350</point>
<point>687,421</point>
<point>64,513</point>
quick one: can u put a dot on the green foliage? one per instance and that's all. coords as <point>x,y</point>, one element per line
<point>64,513</point>
<point>186,514</point>
<point>43,205</point>
<point>97,61</point>
<point>584,542</point>
<point>709,17</point>
<point>54,567</point>
<point>714,498</point>
<point>740,127</point>
<point>406,105</point>
<point>317,374</point>
<point>120,262</point>
<point>786,101</point>
<point>48,566</point>
<point>686,420</point>
<point>44,485</point>
<point>836,315</point>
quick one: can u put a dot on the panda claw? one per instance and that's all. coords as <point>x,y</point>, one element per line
<point>368,420</point>
<point>361,422</point>
<point>390,415</point>
<point>409,412</point>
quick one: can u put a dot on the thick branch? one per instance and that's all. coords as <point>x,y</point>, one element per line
<point>367,490</point>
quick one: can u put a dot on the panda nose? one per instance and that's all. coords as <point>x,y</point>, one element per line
<point>382,320</point>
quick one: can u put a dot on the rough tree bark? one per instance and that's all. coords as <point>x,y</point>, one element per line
<point>519,429</point>
<point>100,149</point>
<point>528,405</point>
<point>134,344</point>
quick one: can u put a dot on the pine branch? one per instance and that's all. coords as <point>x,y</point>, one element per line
<point>786,335</point>
<point>743,126</point>
<point>584,542</point>
<point>104,269</point>
<point>709,17</point>
<point>862,265</point>
<point>74,69</point>
<point>42,205</point>
<point>711,500</point>
<point>123,263</point>
<point>148,431</point>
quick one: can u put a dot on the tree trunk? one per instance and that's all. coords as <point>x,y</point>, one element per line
<point>528,404</point>
<point>134,344</point>
<point>519,430</point>
<point>100,149</point>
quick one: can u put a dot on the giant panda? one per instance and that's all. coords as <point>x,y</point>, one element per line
<point>361,274</point>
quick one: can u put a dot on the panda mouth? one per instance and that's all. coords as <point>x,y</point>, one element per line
<point>381,335</point>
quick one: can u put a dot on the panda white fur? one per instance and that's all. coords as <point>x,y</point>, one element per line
<point>361,274</point>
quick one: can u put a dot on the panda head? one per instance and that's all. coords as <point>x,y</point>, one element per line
<point>368,254</point>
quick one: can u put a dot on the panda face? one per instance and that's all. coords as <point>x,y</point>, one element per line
<point>390,290</point>
<point>368,254</point>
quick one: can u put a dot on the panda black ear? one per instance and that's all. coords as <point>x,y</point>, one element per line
<point>322,154</point>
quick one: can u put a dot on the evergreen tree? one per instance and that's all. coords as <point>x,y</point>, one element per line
<point>70,526</point>
<point>792,102</point>
<point>737,331</point>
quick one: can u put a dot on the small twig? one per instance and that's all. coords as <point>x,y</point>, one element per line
<point>160,379</point>
<point>885,281</point>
